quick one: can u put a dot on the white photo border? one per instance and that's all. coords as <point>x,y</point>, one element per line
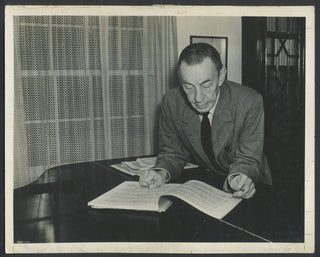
<point>172,10</point>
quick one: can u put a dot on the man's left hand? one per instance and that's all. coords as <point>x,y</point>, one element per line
<point>243,186</point>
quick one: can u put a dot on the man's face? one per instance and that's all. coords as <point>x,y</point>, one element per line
<point>201,83</point>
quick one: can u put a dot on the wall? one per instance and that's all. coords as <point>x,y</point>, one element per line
<point>215,26</point>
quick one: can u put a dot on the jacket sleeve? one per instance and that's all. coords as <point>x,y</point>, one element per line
<point>172,154</point>
<point>248,155</point>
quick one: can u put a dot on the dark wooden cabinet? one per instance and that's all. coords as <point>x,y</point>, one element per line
<point>253,52</point>
<point>273,50</point>
<point>273,63</point>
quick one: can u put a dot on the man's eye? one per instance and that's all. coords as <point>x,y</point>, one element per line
<point>206,85</point>
<point>187,86</point>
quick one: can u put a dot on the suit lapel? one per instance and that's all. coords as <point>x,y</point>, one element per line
<point>222,120</point>
<point>191,127</point>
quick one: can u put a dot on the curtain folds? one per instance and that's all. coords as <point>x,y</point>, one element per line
<point>88,88</point>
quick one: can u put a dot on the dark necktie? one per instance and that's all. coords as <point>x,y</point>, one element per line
<point>206,135</point>
<point>206,140</point>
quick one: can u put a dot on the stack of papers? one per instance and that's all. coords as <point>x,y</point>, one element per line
<point>134,168</point>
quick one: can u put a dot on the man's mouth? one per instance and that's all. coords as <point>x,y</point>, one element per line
<point>200,106</point>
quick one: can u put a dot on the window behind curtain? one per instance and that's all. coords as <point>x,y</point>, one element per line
<point>58,72</point>
<point>126,88</point>
<point>80,98</point>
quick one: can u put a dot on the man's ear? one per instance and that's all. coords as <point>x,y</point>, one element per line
<point>222,76</point>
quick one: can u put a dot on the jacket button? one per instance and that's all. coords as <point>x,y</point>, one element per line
<point>227,148</point>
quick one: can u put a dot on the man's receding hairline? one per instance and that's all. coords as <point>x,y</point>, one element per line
<point>196,53</point>
<point>197,63</point>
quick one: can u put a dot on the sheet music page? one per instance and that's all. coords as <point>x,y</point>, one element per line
<point>135,168</point>
<point>130,195</point>
<point>206,198</point>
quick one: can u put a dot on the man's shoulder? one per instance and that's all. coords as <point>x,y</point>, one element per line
<point>242,92</point>
<point>174,102</point>
<point>174,96</point>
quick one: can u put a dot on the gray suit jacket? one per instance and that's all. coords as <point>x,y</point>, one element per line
<point>237,133</point>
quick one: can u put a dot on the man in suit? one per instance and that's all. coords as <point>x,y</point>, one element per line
<point>218,123</point>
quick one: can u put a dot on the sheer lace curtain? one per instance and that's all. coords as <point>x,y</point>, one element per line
<point>88,88</point>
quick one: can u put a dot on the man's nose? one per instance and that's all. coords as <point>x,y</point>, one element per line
<point>198,95</point>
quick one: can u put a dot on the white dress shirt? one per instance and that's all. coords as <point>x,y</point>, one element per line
<point>211,112</point>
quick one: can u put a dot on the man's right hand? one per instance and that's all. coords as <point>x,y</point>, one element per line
<point>152,178</point>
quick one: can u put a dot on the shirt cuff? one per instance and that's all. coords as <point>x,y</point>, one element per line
<point>230,177</point>
<point>166,175</point>
<point>226,184</point>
